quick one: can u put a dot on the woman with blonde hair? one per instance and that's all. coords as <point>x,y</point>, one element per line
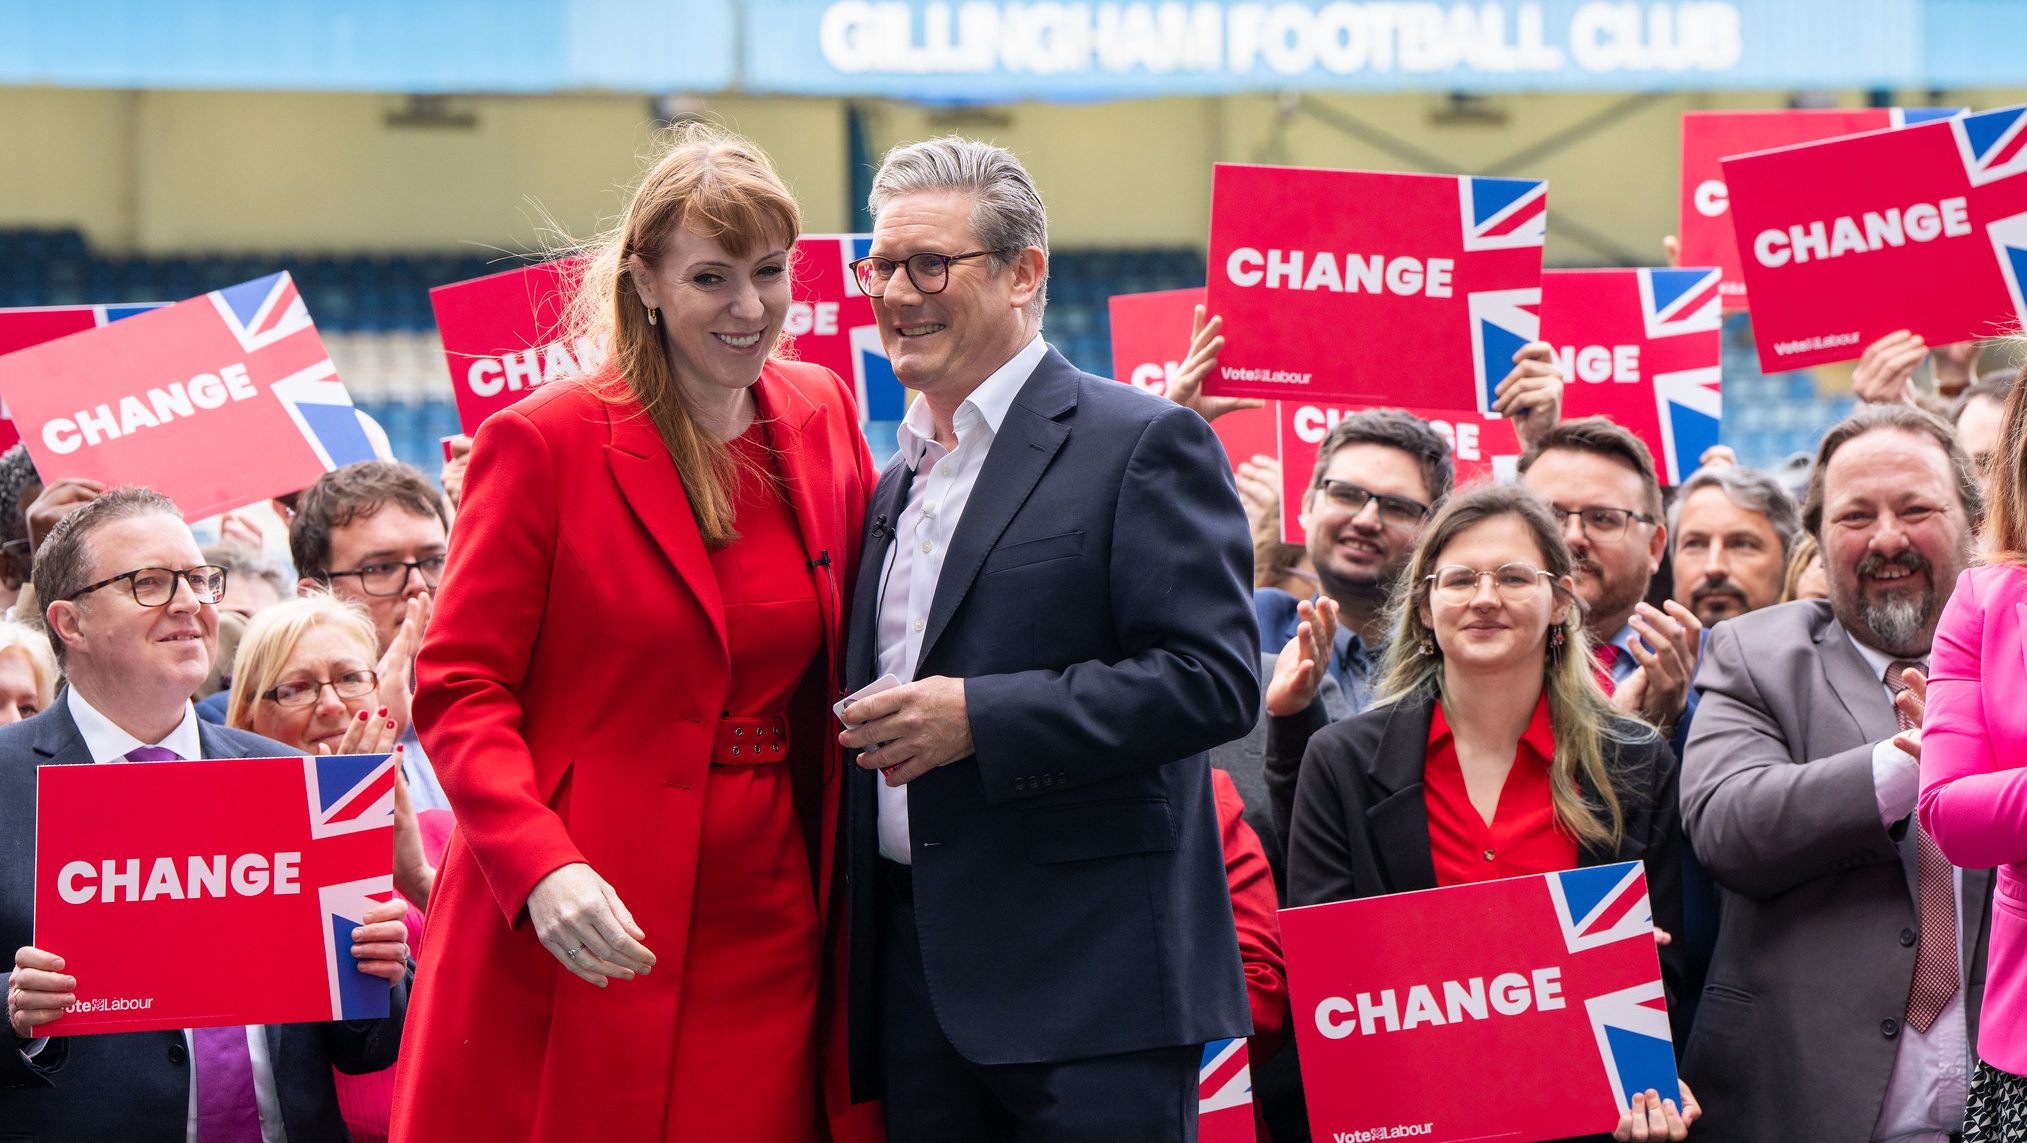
<point>626,690</point>
<point>28,672</point>
<point>1536,773</point>
<point>304,675</point>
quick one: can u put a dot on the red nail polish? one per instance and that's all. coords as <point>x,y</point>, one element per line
<point>390,722</point>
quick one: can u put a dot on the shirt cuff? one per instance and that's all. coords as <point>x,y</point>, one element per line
<point>1896,781</point>
<point>33,1048</point>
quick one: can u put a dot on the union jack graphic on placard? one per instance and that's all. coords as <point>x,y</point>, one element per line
<point>349,792</point>
<point>1993,144</point>
<point>1503,214</point>
<point>1634,1041</point>
<point>1676,302</point>
<point>1225,1093</point>
<point>355,995</point>
<point>1601,904</point>
<point>268,311</point>
<point>1501,322</point>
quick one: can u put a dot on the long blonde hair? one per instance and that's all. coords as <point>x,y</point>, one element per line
<point>272,634</point>
<point>722,187</point>
<point>1583,718</point>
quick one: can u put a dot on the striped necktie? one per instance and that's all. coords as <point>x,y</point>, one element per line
<point>1935,958</point>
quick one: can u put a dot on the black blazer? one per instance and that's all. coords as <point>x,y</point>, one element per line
<point>135,1086</point>
<point>1069,884</point>
<point>1361,823</point>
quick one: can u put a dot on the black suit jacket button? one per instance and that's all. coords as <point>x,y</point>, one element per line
<point>1889,1027</point>
<point>178,1053</point>
<point>1907,938</point>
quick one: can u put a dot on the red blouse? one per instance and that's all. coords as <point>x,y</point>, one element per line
<point>1524,837</point>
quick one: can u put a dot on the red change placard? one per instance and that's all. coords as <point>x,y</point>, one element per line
<point>1483,448</point>
<point>504,336</point>
<point>833,324</point>
<point>1643,348</point>
<point>1846,241</point>
<point>1528,1008</point>
<point>143,869</point>
<point>1708,137</point>
<point>1150,338</point>
<point>21,328</point>
<point>1225,1093</point>
<point>1389,289</point>
<point>215,402</point>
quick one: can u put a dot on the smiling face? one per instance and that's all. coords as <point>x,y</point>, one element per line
<point>117,644</point>
<point>1361,553</point>
<point>1894,536</point>
<point>324,653</point>
<point>1612,573</point>
<point>388,534</point>
<point>1492,629</point>
<point>721,314</point>
<point>944,344</point>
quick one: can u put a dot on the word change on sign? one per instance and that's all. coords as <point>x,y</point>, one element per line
<point>1150,339</point>
<point>1548,987</point>
<point>832,323</point>
<point>1708,137</point>
<point>132,859</point>
<point>1846,241</point>
<point>215,402</point>
<point>1482,447</point>
<point>1411,290</point>
<point>505,335</point>
<point>21,328</point>
<point>1641,347</point>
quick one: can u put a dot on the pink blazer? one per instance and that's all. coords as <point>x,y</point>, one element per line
<point>1974,779</point>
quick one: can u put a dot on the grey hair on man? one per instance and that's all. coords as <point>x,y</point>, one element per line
<point>1007,214</point>
<point>1750,489</point>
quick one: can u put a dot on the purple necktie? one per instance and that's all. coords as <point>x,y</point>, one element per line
<point>227,1111</point>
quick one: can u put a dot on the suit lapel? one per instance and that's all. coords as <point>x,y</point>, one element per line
<point>888,499</point>
<point>216,743</point>
<point>58,741</point>
<point>1399,815</point>
<point>1863,696</point>
<point>1027,441</point>
<point>647,479</point>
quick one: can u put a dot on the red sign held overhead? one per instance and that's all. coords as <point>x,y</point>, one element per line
<point>1643,348</point>
<point>1150,338</point>
<point>1708,137</point>
<point>216,402</point>
<point>1846,241</point>
<point>504,336</point>
<point>21,328</point>
<point>832,323</point>
<point>1372,288</point>
<point>1528,1008</point>
<point>132,859</point>
<point>1483,448</point>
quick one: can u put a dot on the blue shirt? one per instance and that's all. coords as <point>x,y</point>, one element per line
<point>1352,662</point>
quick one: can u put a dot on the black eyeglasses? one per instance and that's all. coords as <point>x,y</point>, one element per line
<point>390,577</point>
<point>1603,524</point>
<point>930,273</point>
<point>349,684</point>
<point>155,587</point>
<point>1398,511</point>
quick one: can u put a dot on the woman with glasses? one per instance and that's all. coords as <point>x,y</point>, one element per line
<point>304,676</point>
<point>626,689</point>
<point>28,672</point>
<point>1491,752</point>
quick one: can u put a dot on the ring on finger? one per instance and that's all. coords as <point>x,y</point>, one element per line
<point>572,953</point>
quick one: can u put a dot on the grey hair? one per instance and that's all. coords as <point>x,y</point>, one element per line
<point>1750,489</point>
<point>1006,210</point>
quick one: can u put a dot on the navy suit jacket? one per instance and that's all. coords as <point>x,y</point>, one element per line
<point>1069,885</point>
<point>135,1086</point>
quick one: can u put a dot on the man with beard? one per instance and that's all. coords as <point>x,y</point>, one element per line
<point>1379,475</point>
<point>1600,482</point>
<point>1835,1007</point>
<point>1733,528</point>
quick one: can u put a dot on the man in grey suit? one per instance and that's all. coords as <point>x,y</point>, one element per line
<point>1832,1011</point>
<point>129,604</point>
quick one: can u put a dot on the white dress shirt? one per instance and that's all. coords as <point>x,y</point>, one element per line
<point>108,743</point>
<point>1931,1070</point>
<point>942,487</point>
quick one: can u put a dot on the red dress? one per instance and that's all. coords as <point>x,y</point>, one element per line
<point>753,929</point>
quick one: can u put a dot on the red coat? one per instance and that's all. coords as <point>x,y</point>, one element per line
<point>568,694</point>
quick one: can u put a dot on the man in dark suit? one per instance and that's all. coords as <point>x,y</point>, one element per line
<point>1057,569</point>
<point>129,605</point>
<point>1842,1001</point>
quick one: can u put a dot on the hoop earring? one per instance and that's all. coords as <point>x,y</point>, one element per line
<point>654,316</point>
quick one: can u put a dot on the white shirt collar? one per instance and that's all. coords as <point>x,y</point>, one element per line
<point>108,743</point>
<point>1877,659</point>
<point>987,405</point>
